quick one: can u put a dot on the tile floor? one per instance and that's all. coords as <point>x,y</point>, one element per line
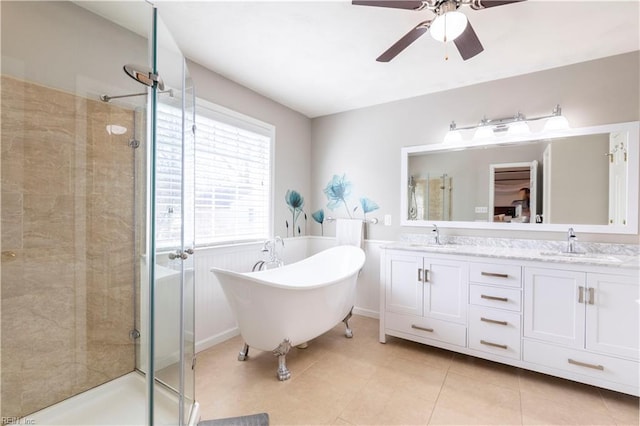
<point>359,381</point>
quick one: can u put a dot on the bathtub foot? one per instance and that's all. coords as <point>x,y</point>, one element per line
<point>244,353</point>
<point>348,332</point>
<point>304,345</point>
<point>281,352</point>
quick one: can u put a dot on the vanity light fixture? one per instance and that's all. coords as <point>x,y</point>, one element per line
<point>557,121</point>
<point>517,124</point>
<point>453,135</point>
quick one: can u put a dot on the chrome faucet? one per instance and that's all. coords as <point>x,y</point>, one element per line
<point>436,232</point>
<point>571,241</point>
<point>270,247</point>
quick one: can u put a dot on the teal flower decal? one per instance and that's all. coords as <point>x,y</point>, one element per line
<point>368,205</point>
<point>295,202</point>
<point>318,216</point>
<point>337,191</point>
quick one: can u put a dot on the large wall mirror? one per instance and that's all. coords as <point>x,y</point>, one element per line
<point>585,178</point>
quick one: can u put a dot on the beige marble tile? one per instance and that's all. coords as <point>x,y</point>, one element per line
<point>66,321</point>
<point>11,237</point>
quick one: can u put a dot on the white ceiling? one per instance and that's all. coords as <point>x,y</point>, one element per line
<point>318,57</point>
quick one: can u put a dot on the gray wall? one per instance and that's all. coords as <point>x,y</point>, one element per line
<point>365,143</point>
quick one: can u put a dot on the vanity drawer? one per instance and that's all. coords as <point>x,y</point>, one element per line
<point>494,331</point>
<point>582,362</point>
<point>495,297</point>
<point>429,328</point>
<point>497,274</point>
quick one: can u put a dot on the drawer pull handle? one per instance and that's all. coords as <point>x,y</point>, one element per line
<point>419,274</point>
<point>495,345</point>
<point>500,299</point>
<point>591,292</point>
<point>584,364</point>
<point>492,321</point>
<point>580,294</point>
<point>417,327</point>
<point>494,274</point>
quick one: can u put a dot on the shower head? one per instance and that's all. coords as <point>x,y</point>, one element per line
<point>144,75</point>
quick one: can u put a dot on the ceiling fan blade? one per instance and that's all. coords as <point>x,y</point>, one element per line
<point>468,43</point>
<point>396,4</point>
<point>485,4</point>
<point>404,42</point>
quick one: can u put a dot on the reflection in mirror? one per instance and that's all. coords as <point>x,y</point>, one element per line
<point>512,192</point>
<point>585,176</point>
<point>430,197</point>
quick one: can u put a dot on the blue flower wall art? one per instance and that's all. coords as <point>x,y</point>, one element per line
<point>337,191</point>
<point>368,206</point>
<point>318,216</point>
<point>295,202</point>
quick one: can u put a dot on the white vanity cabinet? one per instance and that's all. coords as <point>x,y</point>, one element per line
<point>578,321</point>
<point>583,323</point>
<point>495,309</point>
<point>424,297</point>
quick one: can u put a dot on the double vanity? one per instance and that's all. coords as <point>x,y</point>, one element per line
<point>571,315</point>
<point>556,307</point>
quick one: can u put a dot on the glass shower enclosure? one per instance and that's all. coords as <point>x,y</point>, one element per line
<point>96,318</point>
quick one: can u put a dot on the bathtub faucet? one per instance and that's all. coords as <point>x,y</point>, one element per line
<point>271,248</point>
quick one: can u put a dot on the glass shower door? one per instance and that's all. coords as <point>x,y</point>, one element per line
<point>171,295</point>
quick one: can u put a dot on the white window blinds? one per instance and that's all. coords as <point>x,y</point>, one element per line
<point>232,178</point>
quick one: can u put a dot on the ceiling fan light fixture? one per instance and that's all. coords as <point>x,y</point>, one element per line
<point>448,26</point>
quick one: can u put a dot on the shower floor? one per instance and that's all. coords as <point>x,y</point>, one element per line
<point>119,402</point>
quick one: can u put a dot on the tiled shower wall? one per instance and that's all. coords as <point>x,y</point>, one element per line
<point>67,246</point>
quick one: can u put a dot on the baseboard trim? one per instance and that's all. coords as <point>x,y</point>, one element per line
<point>216,339</point>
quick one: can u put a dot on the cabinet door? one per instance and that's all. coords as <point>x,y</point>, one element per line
<point>554,306</point>
<point>403,292</point>
<point>613,314</point>
<point>445,290</point>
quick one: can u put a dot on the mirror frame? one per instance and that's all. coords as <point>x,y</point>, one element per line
<point>631,227</point>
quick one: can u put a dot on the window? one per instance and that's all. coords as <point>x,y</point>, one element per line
<point>232,177</point>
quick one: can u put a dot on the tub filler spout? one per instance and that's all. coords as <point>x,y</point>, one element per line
<point>289,306</point>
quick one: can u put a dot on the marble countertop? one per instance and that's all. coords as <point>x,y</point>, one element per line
<point>621,257</point>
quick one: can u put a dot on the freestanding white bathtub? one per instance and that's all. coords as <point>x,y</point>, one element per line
<point>288,306</point>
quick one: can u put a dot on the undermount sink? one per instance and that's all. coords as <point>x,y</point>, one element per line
<point>583,256</point>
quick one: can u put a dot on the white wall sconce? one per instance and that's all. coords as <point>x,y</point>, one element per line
<point>516,125</point>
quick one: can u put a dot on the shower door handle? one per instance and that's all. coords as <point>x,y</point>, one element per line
<point>179,254</point>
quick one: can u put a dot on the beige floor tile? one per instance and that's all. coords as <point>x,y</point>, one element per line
<point>419,353</point>
<point>538,410</point>
<point>566,392</point>
<point>625,409</point>
<point>360,381</point>
<point>487,371</point>
<point>464,400</point>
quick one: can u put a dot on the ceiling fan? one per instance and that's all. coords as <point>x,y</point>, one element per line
<point>448,24</point>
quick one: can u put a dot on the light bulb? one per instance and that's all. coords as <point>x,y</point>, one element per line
<point>448,26</point>
<point>557,122</point>
<point>453,136</point>
<point>483,132</point>
<point>518,128</point>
